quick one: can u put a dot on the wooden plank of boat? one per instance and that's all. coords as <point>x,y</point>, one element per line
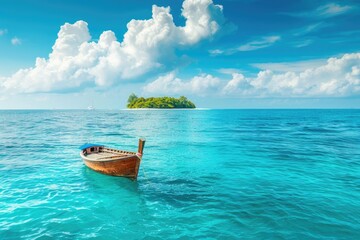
<point>112,161</point>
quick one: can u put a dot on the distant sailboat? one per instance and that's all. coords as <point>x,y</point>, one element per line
<point>90,107</point>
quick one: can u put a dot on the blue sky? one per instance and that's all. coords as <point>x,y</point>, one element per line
<point>220,54</point>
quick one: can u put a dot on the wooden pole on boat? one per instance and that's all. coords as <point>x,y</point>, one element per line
<point>141,146</point>
<point>139,155</point>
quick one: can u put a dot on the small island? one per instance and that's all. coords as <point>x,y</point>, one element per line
<point>159,102</point>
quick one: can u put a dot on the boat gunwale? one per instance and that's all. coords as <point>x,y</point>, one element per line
<point>111,158</point>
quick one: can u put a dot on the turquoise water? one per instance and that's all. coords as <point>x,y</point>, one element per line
<point>215,174</point>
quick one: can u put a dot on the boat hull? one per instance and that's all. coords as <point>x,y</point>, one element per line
<point>112,162</point>
<point>128,167</point>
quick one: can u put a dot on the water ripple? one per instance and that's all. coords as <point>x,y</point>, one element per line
<point>219,174</point>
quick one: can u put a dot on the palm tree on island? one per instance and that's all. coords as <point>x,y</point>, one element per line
<point>159,102</point>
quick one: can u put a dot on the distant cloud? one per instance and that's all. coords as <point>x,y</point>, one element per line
<point>263,42</point>
<point>332,9</point>
<point>201,85</point>
<point>337,77</point>
<point>76,62</point>
<point>228,70</point>
<point>324,11</point>
<point>309,29</point>
<point>298,66</point>
<point>258,44</point>
<point>303,43</point>
<point>215,52</point>
<point>238,81</point>
<point>15,41</point>
<point>3,32</point>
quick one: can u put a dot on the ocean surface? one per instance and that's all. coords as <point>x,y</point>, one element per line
<point>206,174</point>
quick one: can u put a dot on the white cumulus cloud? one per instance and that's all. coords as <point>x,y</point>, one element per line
<point>238,81</point>
<point>201,85</point>
<point>338,77</point>
<point>76,61</point>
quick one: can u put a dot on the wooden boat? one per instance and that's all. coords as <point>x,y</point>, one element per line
<point>112,161</point>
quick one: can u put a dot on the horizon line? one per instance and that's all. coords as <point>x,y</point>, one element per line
<point>166,109</point>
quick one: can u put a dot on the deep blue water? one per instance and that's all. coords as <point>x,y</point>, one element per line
<point>215,174</point>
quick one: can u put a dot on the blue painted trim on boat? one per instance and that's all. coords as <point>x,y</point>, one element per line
<point>87,145</point>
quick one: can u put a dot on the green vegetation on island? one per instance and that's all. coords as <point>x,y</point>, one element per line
<point>159,102</point>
